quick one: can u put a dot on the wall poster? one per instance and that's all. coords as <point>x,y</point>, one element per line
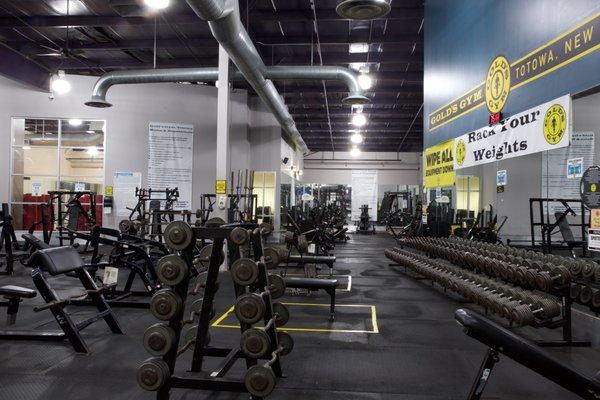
<point>170,161</point>
<point>364,191</point>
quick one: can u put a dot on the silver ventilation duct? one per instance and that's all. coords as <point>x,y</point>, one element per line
<point>110,79</point>
<point>363,9</point>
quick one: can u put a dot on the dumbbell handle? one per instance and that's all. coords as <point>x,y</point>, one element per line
<point>274,356</point>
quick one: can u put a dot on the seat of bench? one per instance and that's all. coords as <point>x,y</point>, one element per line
<point>17,291</point>
<point>310,283</point>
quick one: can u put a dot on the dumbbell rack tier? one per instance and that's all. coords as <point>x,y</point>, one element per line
<point>216,380</point>
<point>440,247</point>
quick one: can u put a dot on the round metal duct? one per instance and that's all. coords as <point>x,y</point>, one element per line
<point>98,103</point>
<point>356,99</point>
<point>363,9</point>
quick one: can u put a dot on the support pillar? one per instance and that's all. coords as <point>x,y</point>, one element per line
<point>222,157</point>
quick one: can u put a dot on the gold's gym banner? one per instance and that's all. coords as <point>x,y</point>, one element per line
<point>504,76</point>
<point>541,128</point>
<point>439,165</point>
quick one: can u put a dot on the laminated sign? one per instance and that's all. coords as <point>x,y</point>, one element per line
<point>545,127</point>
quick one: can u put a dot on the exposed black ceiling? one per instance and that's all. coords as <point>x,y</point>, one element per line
<point>106,35</point>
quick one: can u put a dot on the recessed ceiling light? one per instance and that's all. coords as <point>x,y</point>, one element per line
<point>357,138</point>
<point>59,84</point>
<point>365,81</point>
<point>359,120</point>
<point>358,47</point>
<point>157,4</point>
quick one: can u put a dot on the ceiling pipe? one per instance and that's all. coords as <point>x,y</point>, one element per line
<point>110,79</point>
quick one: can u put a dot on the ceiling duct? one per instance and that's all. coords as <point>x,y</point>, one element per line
<point>109,79</point>
<point>363,9</point>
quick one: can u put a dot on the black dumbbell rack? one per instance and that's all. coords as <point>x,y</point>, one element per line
<point>215,380</point>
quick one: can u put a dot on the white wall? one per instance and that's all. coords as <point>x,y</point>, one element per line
<point>336,168</point>
<point>134,106</point>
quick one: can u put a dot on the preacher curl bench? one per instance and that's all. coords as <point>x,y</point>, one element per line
<point>500,340</point>
<point>57,261</point>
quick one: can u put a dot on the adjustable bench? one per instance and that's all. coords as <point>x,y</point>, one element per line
<point>60,261</point>
<point>329,285</point>
<point>14,295</point>
<point>31,241</point>
<point>501,340</point>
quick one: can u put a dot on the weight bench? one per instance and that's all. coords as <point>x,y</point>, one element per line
<point>31,241</point>
<point>501,340</point>
<point>14,295</point>
<point>328,285</point>
<point>55,262</point>
<point>567,233</point>
<point>301,260</point>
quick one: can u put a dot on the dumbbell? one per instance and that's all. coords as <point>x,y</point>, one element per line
<point>260,380</point>
<point>171,269</point>
<point>178,235</point>
<point>244,271</point>
<point>189,339</point>
<point>542,307</point>
<point>159,339</point>
<point>558,277</point>
<point>589,270</point>
<point>272,257</point>
<point>153,373</point>
<point>239,235</point>
<point>575,291</point>
<point>165,304</point>
<point>203,257</point>
<point>250,308</point>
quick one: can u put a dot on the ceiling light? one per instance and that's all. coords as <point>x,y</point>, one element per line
<point>92,151</point>
<point>59,84</point>
<point>157,4</point>
<point>365,81</point>
<point>357,138</point>
<point>358,48</point>
<point>355,152</point>
<point>75,122</point>
<point>359,120</point>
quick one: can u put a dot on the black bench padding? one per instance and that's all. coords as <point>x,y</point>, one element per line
<point>35,242</point>
<point>57,261</point>
<point>12,291</point>
<point>310,283</point>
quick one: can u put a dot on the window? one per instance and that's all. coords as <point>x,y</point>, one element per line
<point>53,154</point>
<point>264,188</point>
<point>467,196</point>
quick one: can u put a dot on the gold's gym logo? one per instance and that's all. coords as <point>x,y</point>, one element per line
<point>497,84</point>
<point>461,152</point>
<point>555,124</point>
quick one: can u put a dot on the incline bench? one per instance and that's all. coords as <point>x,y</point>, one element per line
<point>329,285</point>
<point>500,340</point>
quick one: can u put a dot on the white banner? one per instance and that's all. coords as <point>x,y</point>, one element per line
<point>364,191</point>
<point>124,184</point>
<point>558,181</point>
<point>541,128</point>
<point>170,160</point>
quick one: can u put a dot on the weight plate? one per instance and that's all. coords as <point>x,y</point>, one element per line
<point>159,339</point>
<point>125,226</point>
<point>302,244</point>
<point>272,257</point>
<point>191,334</point>
<point>249,308</point>
<point>588,187</point>
<point>165,304</point>
<point>171,269</point>
<point>153,374</point>
<point>586,294</point>
<point>283,314</point>
<point>244,271</point>
<point>178,235</point>
<point>196,308</point>
<point>215,222</point>
<point>255,343</point>
<point>265,228</point>
<point>239,236</point>
<point>288,237</point>
<point>203,256</point>
<point>276,286</point>
<point>260,381</point>
<point>285,340</point>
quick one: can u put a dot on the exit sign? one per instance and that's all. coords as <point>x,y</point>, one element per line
<point>495,118</point>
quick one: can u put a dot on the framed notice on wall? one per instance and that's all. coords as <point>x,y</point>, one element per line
<point>170,160</point>
<point>364,191</point>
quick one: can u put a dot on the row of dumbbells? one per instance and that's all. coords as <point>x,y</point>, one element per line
<point>519,306</point>
<point>580,268</point>
<point>255,342</point>
<point>527,273</point>
<point>585,274</point>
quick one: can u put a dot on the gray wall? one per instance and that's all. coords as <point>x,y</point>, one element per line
<point>127,124</point>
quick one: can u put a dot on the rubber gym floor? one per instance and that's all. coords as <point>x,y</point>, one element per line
<point>396,339</point>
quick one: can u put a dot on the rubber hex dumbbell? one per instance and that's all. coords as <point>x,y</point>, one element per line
<point>159,339</point>
<point>165,304</point>
<point>153,373</point>
<point>260,380</point>
<point>171,269</point>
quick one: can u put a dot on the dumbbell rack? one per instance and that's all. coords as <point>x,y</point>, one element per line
<point>215,380</point>
<point>565,321</point>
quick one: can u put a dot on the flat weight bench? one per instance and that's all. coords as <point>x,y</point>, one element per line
<point>526,353</point>
<point>301,260</point>
<point>329,285</point>
<point>55,262</point>
<point>14,295</point>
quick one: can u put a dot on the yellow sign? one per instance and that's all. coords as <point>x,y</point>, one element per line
<point>108,191</point>
<point>555,124</point>
<point>503,78</point>
<point>439,165</point>
<point>497,84</point>
<point>221,187</point>
<point>461,152</point>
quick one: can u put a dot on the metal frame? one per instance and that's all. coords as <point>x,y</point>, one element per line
<point>544,222</point>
